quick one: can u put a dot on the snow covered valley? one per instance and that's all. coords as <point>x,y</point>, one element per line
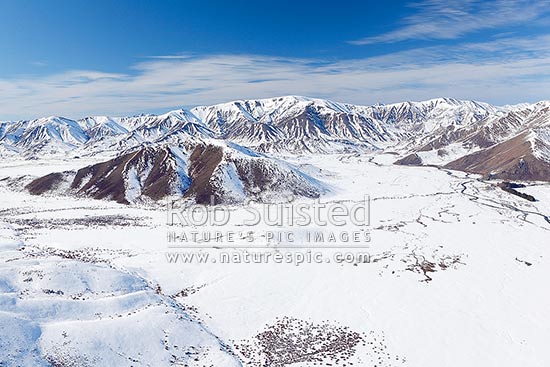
<point>456,277</point>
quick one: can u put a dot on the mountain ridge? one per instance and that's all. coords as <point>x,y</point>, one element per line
<point>226,151</point>
<point>282,124</point>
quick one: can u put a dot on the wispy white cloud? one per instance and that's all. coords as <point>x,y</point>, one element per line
<point>511,71</point>
<point>444,20</point>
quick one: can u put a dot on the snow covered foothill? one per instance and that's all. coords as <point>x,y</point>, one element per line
<point>58,308</point>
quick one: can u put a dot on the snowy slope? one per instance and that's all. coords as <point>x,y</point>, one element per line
<point>66,309</point>
<point>284,124</point>
<point>301,124</point>
<point>502,145</point>
<point>205,172</point>
<point>436,131</point>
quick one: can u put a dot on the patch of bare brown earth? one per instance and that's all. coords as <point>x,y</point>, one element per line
<point>45,184</point>
<point>204,160</point>
<point>410,160</point>
<point>107,179</point>
<point>512,159</point>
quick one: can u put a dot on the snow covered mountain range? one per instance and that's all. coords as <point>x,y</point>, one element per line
<point>459,259</point>
<point>447,132</point>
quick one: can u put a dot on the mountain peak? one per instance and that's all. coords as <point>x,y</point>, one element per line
<point>291,123</point>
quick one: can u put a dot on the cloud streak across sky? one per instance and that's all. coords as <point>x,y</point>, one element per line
<point>447,20</point>
<point>162,84</point>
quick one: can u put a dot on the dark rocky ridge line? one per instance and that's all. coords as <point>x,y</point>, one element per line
<point>106,180</point>
<point>511,187</point>
<point>158,172</point>
<point>512,159</point>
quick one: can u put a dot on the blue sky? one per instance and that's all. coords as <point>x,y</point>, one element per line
<point>77,58</point>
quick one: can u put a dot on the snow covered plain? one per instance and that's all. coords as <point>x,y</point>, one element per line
<point>456,278</point>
